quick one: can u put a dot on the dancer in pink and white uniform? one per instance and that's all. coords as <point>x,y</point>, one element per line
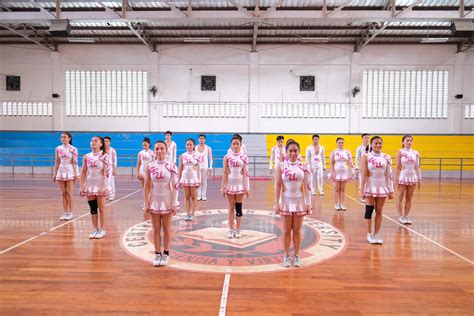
<point>360,151</point>
<point>96,169</point>
<point>293,191</point>
<point>316,162</point>
<point>172,148</point>
<point>340,173</point>
<point>113,160</point>
<point>205,166</point>
<point>161,187</point>
<point>145,156</point>
<point>408,177</point>
<point>377,185</point>
<point>189,177</point>
<point>235,184</point>
<point>66,172</point>
<point>276,156</point>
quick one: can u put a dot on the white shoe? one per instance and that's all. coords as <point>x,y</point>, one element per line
<point>408,220</point>
<point>63,217</point>
<point>371,239</point>
<point>187,218</point>
<point>230,234</point>
<point>337,207</point>
<point>286,261</point>
<point>199,198</point>
<point>321,193</point>
<point>93,234</point>
<point>157,260</point>
<point>237,234</point>
<point>164,260</point>
<point>378,239</point>
<point>342,207</point>
<point>313,192</point>
<point>362,200</point>
<point>402,220</point>
<point>297,261</point>
<point>100,234</point>
<point>204,198</point>
<point>68,217</point>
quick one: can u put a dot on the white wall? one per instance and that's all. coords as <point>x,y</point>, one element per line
<point>270,75</point>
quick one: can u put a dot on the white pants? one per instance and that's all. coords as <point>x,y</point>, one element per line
<point>317,177</point>
<point>202,190</point>
<point>111,186</point>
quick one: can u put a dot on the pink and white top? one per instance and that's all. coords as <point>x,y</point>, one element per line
<point>296,188</point>
<point>205,157</point>
<point>238,179</point>
<point>276,156</point>
<point>171,152</point>
<point>145,157</point>
<point>341,158</point>
<point>315,157</point>
<point>410,160</point>
<point>164,188</point>
<point>190,177</point>
<point>113,156</point>
<point>98,171</point>
<point>68,167</point>
<point>379,181</point>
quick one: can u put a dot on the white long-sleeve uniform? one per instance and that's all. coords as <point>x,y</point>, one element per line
<point>113,162</point>
<point>238,180</point>
<point>410,160</point>
<point>68,167</point>
<point>98,171</point>
<point>171,152</point>
<point>379,181</point>
<point>205,164</point>
<point>296,188</point>
<point>316,162</point>
<point>164,187</point>
<point>145,157</point>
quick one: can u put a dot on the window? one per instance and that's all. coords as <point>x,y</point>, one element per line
<point>106,93</point>
<point>405,94</point>
<point>469,111</point>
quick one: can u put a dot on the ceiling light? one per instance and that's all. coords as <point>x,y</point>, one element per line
<point>81,40</point>
<point>197,40</point>
<point>314,39</point>
<point>434,40</point>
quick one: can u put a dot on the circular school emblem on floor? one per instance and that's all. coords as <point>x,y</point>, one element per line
<point>202,245</point>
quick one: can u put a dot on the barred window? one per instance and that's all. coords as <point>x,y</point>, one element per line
<point>106,93</point>
<point>405,94</point>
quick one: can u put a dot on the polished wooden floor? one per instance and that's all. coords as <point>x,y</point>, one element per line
<point>425,271</point>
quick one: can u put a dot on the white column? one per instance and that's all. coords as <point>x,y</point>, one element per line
<point>457,110</point>
<point>355,104</point>
<point>154,111</point>
<point>59,87</point>
<point>253,111</point>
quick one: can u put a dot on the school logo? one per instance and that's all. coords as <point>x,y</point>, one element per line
<point>202,245</point>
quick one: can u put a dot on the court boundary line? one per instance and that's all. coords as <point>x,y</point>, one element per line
<point>419,234</point>
<point>225,295</point>
<point>60,225</point>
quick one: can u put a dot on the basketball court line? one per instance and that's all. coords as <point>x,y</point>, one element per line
<point>419,234</point>
<point>61,225</point>
<point>225,292</point>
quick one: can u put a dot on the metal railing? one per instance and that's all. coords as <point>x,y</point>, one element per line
<point>258,164</point>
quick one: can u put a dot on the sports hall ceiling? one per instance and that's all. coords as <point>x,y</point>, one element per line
<point>250,22</point>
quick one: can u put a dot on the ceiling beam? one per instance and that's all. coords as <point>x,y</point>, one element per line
<point>271,9</point>
<point>43,10</point>
<point>240,8</point>
<point>124,8</point>
<point>175,9</point>
<point>254,40</point>
<point>225,17</point>
<point>190,7</point>
<point>138,28</point>
<point>58,9</point>
<point>26,37</point>
<point>374,30</point>
<point>339,8</point>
